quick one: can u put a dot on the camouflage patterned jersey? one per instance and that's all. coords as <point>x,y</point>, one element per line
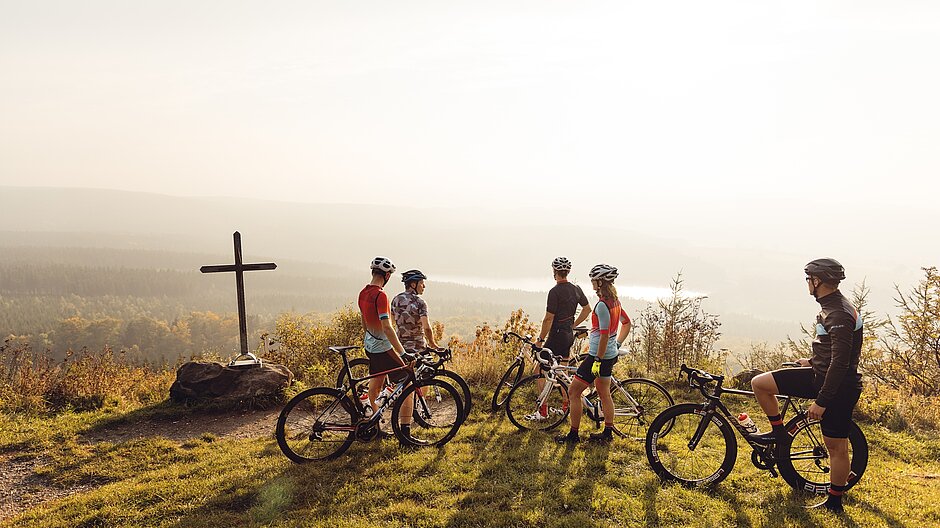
<point>407,309</point>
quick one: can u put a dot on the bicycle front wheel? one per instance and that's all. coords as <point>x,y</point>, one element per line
<point>441,411</point>
<point>636,403</point>
<point>526,411</point>
<point>506,383</point>
<point>806,465</point>
<point>461,385</point>
<point>686,445</point>
<point>421,405</point>
<point>316,424</point>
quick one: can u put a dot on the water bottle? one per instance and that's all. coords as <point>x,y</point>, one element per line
<point>384,396</point>
<point>366,404</point>
<point>747,424</point>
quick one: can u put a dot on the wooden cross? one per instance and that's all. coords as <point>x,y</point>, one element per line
<point>239,270</point>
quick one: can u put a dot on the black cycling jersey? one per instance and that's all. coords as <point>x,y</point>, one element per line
<point>563,301</point>
<point>837,346</point>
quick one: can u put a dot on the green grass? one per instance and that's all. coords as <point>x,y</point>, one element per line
<point>490,475</point>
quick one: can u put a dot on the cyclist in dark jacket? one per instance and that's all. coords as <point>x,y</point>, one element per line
<point>830,377</point>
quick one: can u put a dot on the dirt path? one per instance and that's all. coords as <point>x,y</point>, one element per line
<point>233,424</point>
<point>21,488</point>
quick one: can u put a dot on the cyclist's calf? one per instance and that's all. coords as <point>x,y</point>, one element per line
<point>765,390</point>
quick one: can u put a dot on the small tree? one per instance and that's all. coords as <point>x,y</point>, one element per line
<point>676,330</point>
<point>912,343</point>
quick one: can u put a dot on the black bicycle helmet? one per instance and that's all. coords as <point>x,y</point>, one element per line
<point>826,270</point>
<point>412,275</point>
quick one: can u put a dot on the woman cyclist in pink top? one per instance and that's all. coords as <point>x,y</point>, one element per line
<point>598,367</point>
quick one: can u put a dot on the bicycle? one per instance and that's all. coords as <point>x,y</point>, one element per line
<point>322,422</point>
<point>528,406</point>
<point>517,368</point>
<point>361,365</point>
<point>700,448</point>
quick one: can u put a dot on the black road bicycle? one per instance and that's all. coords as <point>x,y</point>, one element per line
<point>516,369</point>
<point>360,366</point>
<point>699,449</point>
<point>321,423</point>
<point>531,406</point>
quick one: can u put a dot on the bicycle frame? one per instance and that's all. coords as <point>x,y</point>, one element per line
<point>556,371</point>
<point>764,454</point>
<point>360,409</point>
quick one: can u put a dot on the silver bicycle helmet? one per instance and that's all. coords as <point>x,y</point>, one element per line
<point>561,264</point>
<point>603,272</point>
<point>383,264</point>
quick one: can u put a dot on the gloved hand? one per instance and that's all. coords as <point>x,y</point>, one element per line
<point>596,368</point>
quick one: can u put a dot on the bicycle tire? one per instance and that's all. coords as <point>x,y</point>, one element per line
<point>359,368</point>
<point>509,380</point>
<point>668,451</point>
<point>302,433</point>
<point>444,418</point>
<point>520,405</point>
<point>804,444</point>
<point>652,399</point>
<point>459,383</point>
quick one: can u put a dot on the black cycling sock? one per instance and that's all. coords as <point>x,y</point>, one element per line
<point>776,422</point>
<point>835,494</point>
<point>406,429</point>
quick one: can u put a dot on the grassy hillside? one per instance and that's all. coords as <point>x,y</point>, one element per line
<point>490,475</point>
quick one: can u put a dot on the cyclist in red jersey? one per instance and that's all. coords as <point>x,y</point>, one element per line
<point>382,345</point>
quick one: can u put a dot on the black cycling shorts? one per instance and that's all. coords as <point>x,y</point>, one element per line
<point>385,361</point>
<point>584,369</point>
<point>803,383</point>
<point>560,341</point>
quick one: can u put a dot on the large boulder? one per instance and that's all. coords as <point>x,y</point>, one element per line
<point>742,380</point>
<point>210,382</point>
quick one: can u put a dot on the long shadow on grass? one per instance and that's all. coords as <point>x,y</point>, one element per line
<point>318,489</point>
<point>526,478</point>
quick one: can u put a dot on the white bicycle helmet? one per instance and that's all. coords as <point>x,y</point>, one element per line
<point>561,264</point>
<point>603,272</point>
<point>383,264</point>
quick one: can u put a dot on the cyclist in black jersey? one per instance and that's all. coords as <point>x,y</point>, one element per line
<point>830,376</point>
<point>563,301</point>
<point>559,321</point>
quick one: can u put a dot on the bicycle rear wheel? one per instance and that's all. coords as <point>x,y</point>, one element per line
<point>651,399</point>
<point>442,413</point>
<point>706,462</point>
<point>360,369</point>
<point>806,465</point>
<point>512,376</point>
<point>316,424</point>
<point>524,409</point>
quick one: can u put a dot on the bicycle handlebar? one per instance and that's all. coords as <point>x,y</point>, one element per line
<point>699,378</point>
<point>527,339</point>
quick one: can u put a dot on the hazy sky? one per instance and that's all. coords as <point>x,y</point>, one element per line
<point>747,113</point>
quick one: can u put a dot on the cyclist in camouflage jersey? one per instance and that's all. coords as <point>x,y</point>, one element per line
<point>411,314</point>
